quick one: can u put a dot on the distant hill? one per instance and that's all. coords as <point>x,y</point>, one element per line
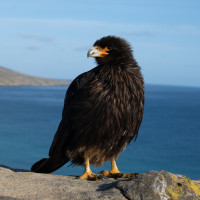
<point>11,78</point>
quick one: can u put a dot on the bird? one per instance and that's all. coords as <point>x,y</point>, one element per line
<point>102,112</point>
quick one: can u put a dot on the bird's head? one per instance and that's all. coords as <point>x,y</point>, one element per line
<point>110,49</point>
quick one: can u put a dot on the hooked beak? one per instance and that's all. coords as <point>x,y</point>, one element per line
<point>97,52</point>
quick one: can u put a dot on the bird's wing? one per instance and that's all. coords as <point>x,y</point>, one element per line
<point>74,95</point>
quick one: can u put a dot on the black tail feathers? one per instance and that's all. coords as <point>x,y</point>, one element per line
<point>48,165</point>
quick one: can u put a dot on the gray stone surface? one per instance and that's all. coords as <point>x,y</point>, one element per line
<point>12,78</point>
<point>153,185</point>
<point>163,185</point>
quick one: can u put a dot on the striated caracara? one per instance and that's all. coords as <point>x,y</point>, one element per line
<point>102,111</point>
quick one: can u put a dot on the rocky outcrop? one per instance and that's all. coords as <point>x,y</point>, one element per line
<point>12,78</point>
<point>153,185</point>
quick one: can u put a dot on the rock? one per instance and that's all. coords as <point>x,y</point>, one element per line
<point>162,185</point>
<point>153,185</point>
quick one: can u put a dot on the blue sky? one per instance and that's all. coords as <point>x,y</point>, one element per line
<point>51,38</point>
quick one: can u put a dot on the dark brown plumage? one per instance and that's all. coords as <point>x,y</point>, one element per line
<point>102,111</point>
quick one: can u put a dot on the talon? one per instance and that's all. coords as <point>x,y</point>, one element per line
<point>117,175</point>
<point>130,175</point>
<point>90,176</point>
<point>105,173</point>
<point>113,173</point>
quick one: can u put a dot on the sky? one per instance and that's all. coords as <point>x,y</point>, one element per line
<point>49,38</point>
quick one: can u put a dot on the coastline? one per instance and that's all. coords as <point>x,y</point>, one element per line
<point>11,78</point>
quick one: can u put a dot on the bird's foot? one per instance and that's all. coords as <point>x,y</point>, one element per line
<point>117,174</point>
<point>131,175</point>
<point>114,173</point>
<point>90,176</point>
<point>110,173</point>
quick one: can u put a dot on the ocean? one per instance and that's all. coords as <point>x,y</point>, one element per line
<point>169,137</point>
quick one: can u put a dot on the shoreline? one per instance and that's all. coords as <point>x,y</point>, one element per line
<point>11,78</point>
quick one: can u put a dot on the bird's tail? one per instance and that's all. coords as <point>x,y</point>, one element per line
<point>48,165</point>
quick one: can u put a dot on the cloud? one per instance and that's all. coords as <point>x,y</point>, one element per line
<point>82,48</point>
<point>37,37</point>
<point>52,21</point>
<point>140,30</point>
<point>141,33</point>
<point>37,40</point>
<point>33,47</point>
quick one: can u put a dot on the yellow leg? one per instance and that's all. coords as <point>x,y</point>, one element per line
<point>88,175</point>
<point>115,173</point>
<point>114,170</point>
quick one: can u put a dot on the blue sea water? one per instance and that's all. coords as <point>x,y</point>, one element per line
<point>169,137</point>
